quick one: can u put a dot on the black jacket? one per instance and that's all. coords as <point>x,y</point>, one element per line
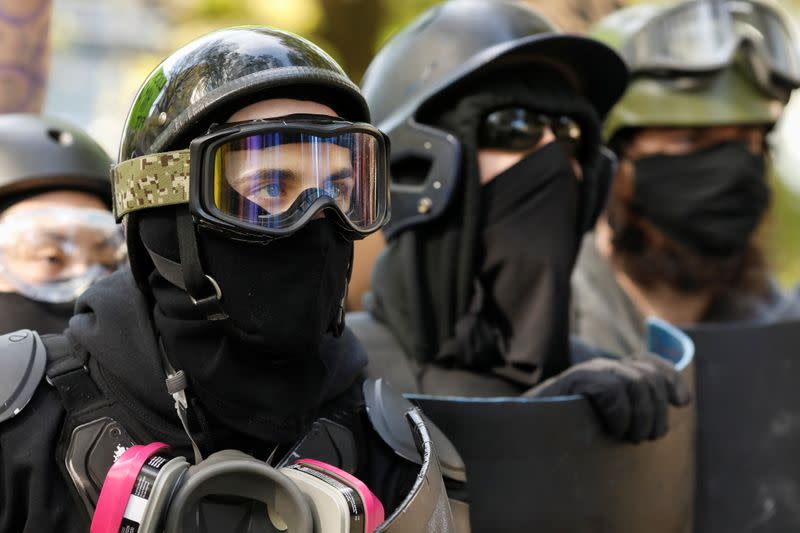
<point>35,495</point>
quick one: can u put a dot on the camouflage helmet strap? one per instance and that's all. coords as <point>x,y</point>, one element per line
<point>148,181</point>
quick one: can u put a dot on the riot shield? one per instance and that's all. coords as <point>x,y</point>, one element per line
<point>545,464</point>
<point>748,402</point>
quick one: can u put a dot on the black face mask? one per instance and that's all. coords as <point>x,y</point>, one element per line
<point>283,295</point>
<point>530,241</point>
<point>711,201</point>
<point>19,312</point>
<point>263,370</point>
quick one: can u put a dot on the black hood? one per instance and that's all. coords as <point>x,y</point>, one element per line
<point>427,280</point>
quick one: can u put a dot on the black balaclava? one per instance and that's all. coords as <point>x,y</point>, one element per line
<point>435,284</point>
<point>710,201</point>
<point>265,370</point>
<point>19,312</point>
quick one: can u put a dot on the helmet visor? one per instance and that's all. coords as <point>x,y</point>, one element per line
<point>276,179</point>
<point>54,255</point>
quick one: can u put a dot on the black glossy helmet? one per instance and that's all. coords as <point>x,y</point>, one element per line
<point>218,71</point>
<point>40,154</point>
<point>204,82</point>
<point>443,48</point>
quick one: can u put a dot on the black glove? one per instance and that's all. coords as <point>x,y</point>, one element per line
<point>630,396</point>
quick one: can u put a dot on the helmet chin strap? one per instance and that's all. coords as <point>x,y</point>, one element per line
<point>206,296</point>
<point>188,275</point>
<point>337,328</point>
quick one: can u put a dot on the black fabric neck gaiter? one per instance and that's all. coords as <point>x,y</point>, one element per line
<point>711,201</point>
<point>530,241</point>
<point>267,369</point>
<point>19,312</point>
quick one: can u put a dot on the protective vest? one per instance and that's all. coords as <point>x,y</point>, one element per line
<point>97,431</point>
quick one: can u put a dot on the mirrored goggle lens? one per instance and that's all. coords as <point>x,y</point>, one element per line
<point>273,179</point>
<point>522,129</point>
<point>772,35</point>
<point>695,35</point>
<point>55,255</point>
<point>704,36</point>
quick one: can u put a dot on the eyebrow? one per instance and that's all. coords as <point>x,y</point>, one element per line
<point>60,237</point>
<point>55,236</point>
<point>279,173</point>
<point>343,174</point>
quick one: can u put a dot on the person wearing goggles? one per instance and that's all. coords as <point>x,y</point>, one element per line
<point>679,237</point>
<point>57,235</point>
<point>247,168</point>
<point>497,171</point>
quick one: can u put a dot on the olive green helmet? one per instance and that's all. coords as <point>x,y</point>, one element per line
<point>661,97</point>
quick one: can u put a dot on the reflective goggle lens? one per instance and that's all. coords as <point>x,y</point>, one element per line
<point>704,36</point>
<point>520,129</point>
<point>769,32</point>
<point>693,34</point>
<point>54,255</point>
<point>272,179</point>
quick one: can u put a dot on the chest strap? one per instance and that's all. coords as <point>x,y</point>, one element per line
<point>68,373</point>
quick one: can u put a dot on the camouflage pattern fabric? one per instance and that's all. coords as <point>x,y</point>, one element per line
<point>150,181</point>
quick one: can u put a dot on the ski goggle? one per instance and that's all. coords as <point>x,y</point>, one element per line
<point>518,128</point>
<point>54,255</point>
<point>704,36</point>
<point>267,177</point>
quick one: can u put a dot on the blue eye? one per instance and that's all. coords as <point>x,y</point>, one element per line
<point>337,188</point>
<point>271,190</point>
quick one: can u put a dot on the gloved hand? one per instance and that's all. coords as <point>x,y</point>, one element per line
<point>630,396</point>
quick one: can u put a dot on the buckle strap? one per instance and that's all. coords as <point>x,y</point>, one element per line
<point>68,373</point>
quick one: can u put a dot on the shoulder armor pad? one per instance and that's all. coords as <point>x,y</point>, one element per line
<point>22,362</point>
<point>387,413</point>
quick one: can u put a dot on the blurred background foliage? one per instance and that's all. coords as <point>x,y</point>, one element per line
<point>103,50</point>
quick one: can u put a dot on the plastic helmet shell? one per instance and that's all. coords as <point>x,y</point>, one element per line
<point>218,74</point>
<point>446,46</point>
<point>40,154</point>
<point>456,39</point>
<point>226,68</point>
<point>728,97</point>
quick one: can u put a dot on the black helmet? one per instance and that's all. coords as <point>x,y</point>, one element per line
<point>38,154</point>
<point>205,82</point>
<point>448,45</point>
<point>216,72</point>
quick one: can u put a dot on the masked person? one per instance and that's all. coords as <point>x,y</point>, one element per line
<point>679,237</point>
<point>497,170</point>
<point>57,235</point>
<point>247,168</point>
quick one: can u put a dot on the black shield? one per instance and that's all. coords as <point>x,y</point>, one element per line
<point>547,465</point>
<point>748,402</point>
